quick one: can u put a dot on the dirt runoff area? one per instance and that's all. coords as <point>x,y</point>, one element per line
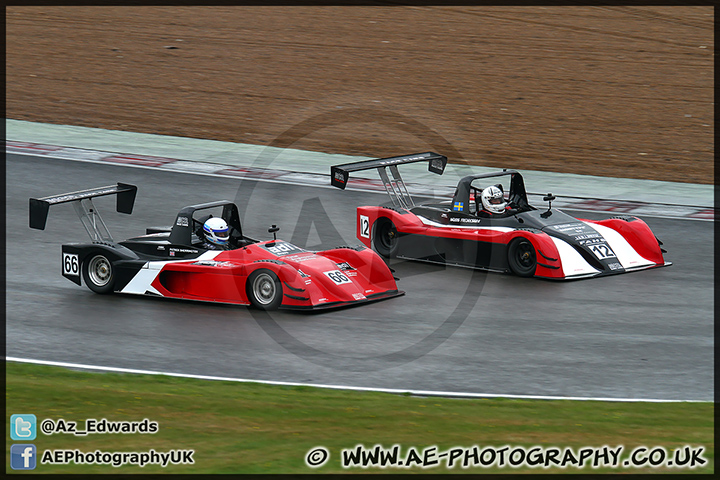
<point>619,91</point>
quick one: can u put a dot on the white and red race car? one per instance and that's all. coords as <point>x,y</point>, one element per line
<point>175,262</point>
<point>524,240</point>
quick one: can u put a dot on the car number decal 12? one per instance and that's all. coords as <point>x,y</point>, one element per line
<point>337,276</point>
<point>70,264</point>
<point>602,251</point>
<point>364,226</point>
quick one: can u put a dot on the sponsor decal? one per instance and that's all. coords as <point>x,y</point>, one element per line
<point>282,248</point>
<point>339,177</point>
<point>579,238</point>
<point>580,232</point>
<point>303,274</point>
<point>79,196</point>
<point>615,266</point>
<point>182,250</point>
<point>359,296</point>
<point>182,221</point>
<point>299,258</point>
<point>212,263</point>
<point>344,266</point>
<point>161,247</point>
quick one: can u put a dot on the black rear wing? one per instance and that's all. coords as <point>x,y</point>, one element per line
<point>340,174</point>
<point>82,201</point>
<point>395,187</point>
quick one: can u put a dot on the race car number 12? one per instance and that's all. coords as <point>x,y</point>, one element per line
<point>602,251</point>
<point>70,264</point>
<point>364,226</point>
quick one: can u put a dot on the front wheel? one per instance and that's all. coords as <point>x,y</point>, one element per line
<point>385,237</point>
<point>264,289</point>
<point>521,257</point>
<point>99,274</point>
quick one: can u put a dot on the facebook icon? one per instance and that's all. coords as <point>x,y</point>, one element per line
<point>22,457</point>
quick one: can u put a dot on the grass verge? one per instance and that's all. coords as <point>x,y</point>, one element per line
<point>253,428</point>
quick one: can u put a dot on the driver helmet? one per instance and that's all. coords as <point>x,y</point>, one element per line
<point>493,200</point>
<point>216,231</point>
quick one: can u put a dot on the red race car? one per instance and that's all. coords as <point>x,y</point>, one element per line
<point>489,224</point>
<point>193,261</point>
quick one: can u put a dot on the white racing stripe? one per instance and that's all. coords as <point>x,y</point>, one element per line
<point>430,223</point>
<point>142,281</point>
<point>424,393</point>
<point>626,255</point>
<point>573,264</point>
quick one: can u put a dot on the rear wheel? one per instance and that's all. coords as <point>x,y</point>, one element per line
<point>522,258</point>
<point>385,237</point>
<point>99,274</point>
<point>264,289</point>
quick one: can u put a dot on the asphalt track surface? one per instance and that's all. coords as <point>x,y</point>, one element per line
<point>645,335</point>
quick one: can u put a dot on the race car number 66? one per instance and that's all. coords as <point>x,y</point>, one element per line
<point>337,276</point>
<point>70,264</point>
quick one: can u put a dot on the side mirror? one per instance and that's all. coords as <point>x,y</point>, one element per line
<point>549,198</point>
<point>274,229</point>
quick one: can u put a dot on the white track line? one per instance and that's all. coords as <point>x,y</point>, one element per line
<point>308,184</point>
<point>422,393</point>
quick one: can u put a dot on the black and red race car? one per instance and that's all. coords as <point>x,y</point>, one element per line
<point>175,262</point>
<point>524,240</point>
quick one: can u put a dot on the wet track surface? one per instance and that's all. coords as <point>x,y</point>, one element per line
<point>642,335</point>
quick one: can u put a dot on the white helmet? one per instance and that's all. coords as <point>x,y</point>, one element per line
<point>492,200</point>
<point>216,231</point>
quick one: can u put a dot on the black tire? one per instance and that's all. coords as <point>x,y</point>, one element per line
<point>385,237</point>
<point>264,289</point>
<point>99,273</point>
<point>522,258</point>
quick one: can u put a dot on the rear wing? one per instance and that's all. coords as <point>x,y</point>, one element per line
<point>82,202</point>
<point>340,174</point>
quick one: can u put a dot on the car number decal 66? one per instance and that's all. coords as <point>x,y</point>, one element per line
<point>337,276</point>
<point>602,251</point>
<point>70,264</point>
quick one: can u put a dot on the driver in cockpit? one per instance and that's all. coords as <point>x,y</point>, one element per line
<point>493,203</point>
<point>217,234</point>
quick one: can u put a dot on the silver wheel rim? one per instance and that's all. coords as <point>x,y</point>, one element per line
<point>264,289</point>
<point>100,271</point>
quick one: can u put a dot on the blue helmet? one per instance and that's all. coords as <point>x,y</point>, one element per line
<point>216,231</point>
